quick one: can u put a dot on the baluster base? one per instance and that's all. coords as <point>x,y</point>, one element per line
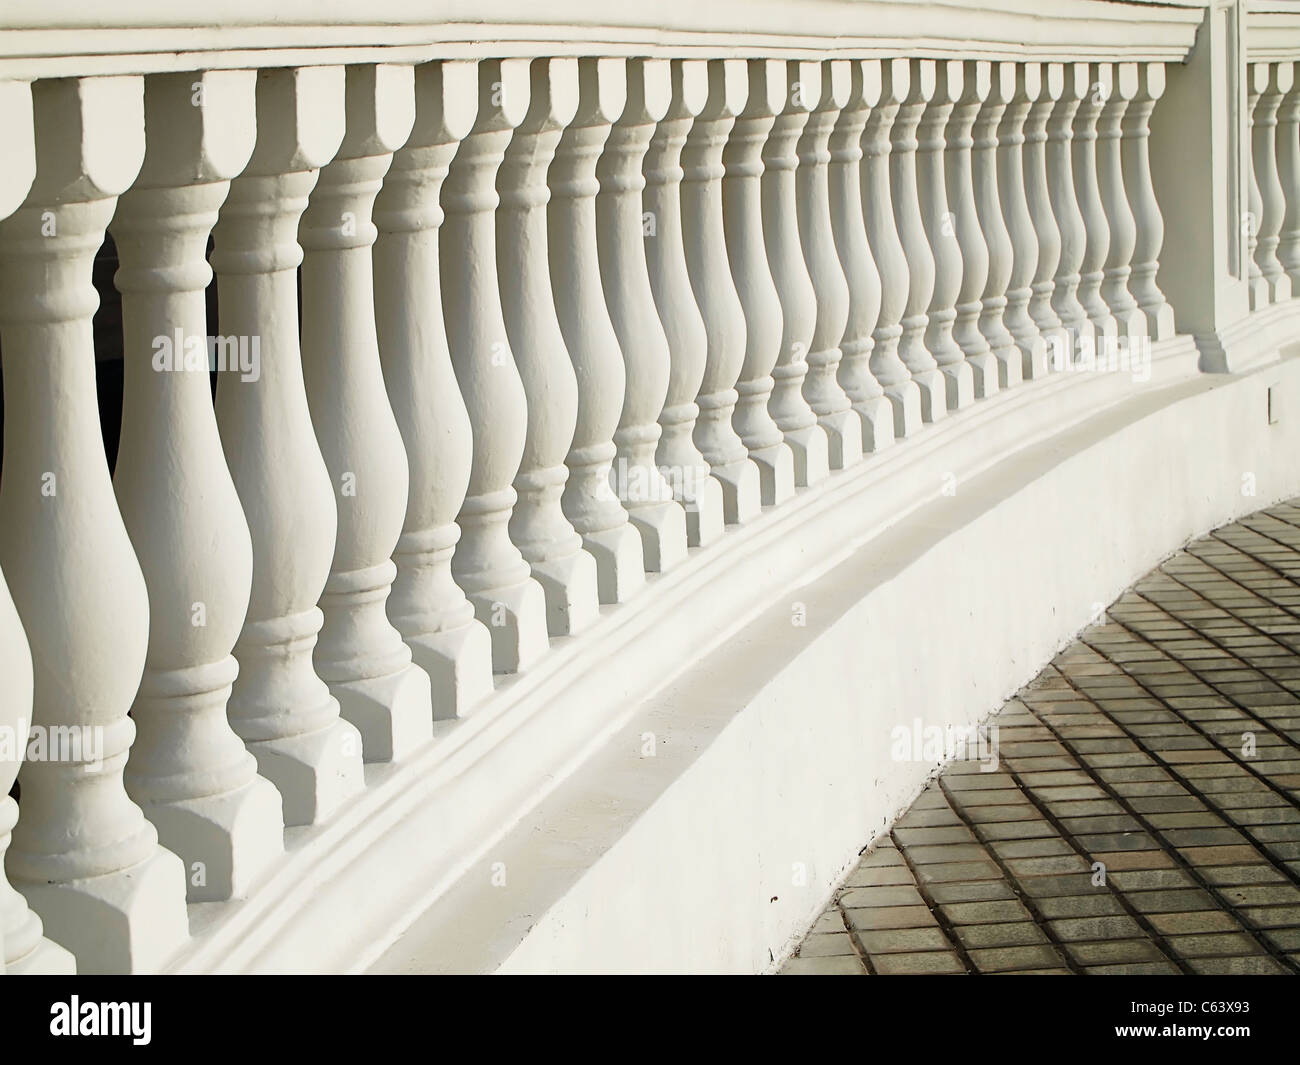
<point>934,394</point>
<point>984,368</point>
<point>958,385</point>
<point>45,959</point>
<point>23,948</point>
<point>663,535</point>
<point>811,451</point>
<point>905,399</point>
<point>1033,358</point>
<point>572,593</point>
<point>742,498</point>
<point>877,418</point>
<point>458,663</point>
<point>1130,323</point>
<point>315,772</point>
<point>1160,321</point>
<point>775,473</point>
<point>1279,287</point>
<point>1259,294</point>
<point>393,713</point>
<point>1011,370</point>
<point>225,841</point>
<point>620,563</point>
<point>515,617</point>
<point>705,518</point>
<point>126,922</point>
<point>843,431</point>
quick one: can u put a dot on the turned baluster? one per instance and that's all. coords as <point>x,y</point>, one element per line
<point>82,852</point>
<point>538,527</point>
<point>940,231</point>
<point>426,605</point>
<point>977,83</point>
<point>1020,224</point>
<point>1288,163</point>
<point>1092,270</point>
<point>905,394</point>
<point>188,770</point>
<point>624,272</point>
<point>1065,206</point>
<point>821,387</point>
<point>1046,233</point>
<point>742,204</point>
<point>850,230</point>
<point>589,499</point>
<point>490,569</point>
<point>1130,321</point>
<point>1279,80</point>
<point>693,486</point>
<point>988,206</point>
<point>715,291</point>
<point>279,705</point>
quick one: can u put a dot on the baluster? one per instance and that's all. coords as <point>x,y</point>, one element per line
<point>1020,224</point>
<point>913,85</point>
<point>624,272</point>
<point>699,493</point>
<point>360,654</point>
<point>988,206</point>
<point>1256,83</point>
<point>887,249</point>
<point>279,705</point>
<point>742,204</point>
<point>1046,233</point>
<point>806,439</point>
<point>23,947</point>
<point>977,83</point>
<point>821,387</point>
<point>426,605</point>
<point>538,527</point>
<point>1278,81</point>
<point>940,231</point>
<point>850,230</point>
<point>486,564</point>
<point>589,500</point>
<point>1129,319</point>
<point>1065,206</point>
<point>82,852</point>
<point>189,771</point>
<point>1092,271</point>
<point>1288,161</point>
<point>715,291</point>
<point>1149,225</point>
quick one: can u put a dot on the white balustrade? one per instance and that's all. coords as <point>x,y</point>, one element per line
<point>715,291</point>
<point>279,705</point>
<point>905,394</point>
<point>538,526</point>
<point>959,175</point>
<point>624,272</point>
<point>82,852</point>
<point>188,769</point>
<point>850,228</point>
<point>821,387</point>
<point>941,232</point>
<point>426,605</point>
<point>694,487</point>
<point>742,205</point>
<point>1020,223</point>
<point>360,654</point>
<point>490,569</point>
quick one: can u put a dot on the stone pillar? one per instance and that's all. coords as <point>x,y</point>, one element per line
<point>715,291</point>
<point>82,852</point>
<point>486,564</point>
<point>698,492</point>
<point>538,527</point>
<point>426,605</point>
<point>189,771</point>
<point>742,204</point>
<point>624,272</point>
<point>279,705</point>
<point>850,229</point>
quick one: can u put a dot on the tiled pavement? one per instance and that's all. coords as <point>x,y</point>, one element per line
<point>1164,744</point>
